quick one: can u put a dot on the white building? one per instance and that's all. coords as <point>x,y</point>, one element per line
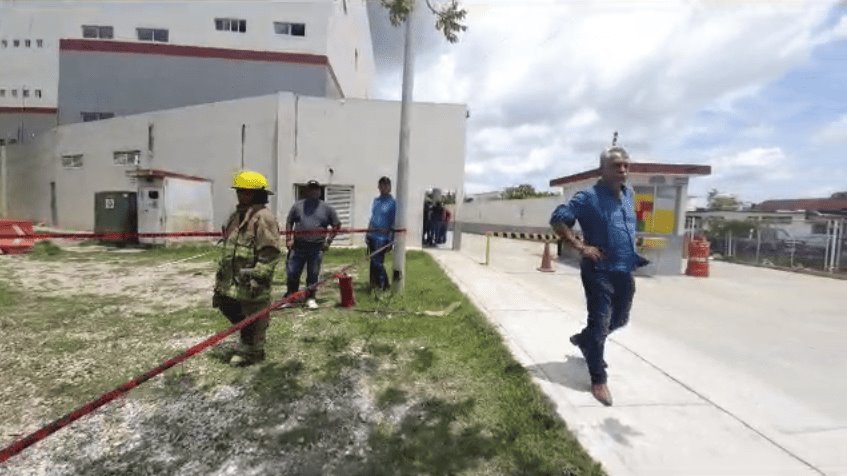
<point>294,36</point>
<point>346,144</point>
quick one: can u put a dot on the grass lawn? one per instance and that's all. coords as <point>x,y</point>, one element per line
<point>384,388</point>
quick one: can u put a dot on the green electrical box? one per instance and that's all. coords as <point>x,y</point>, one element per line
<point>116,212</point>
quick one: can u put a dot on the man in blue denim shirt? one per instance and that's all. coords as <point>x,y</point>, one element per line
<point>381,232</point>
<point>606,214</point>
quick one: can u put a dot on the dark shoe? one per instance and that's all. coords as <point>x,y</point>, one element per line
<point>247,359</point>
<point>575,341</point>
<point>601,393</point>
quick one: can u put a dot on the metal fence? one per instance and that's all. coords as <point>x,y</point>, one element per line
<point>772,246</point>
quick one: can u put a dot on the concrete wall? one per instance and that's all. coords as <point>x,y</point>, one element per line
<point>527,215</point>
<point>359,141</point>
<point>128,83</point>
<point>31,168</point>
<point>290,139</point>
<point>23,127</point>
<point>350,48</point>
<point>797,227</point>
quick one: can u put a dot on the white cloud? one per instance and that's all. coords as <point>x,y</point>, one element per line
<point>547,82</point>
<point>837,32</point>
<point>833,133</point>
<point>750,174</point>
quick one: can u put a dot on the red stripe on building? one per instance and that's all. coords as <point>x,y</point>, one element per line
<point>28,110</point>
<point>190,51</point>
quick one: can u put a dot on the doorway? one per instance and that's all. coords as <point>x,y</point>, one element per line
<point>54,212</point>
<point>439,207</point>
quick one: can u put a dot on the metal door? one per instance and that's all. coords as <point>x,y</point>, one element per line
<point>151,216</point>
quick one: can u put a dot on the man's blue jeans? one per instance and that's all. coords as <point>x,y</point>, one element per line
<point>608,295</point>
<point>378,275</point>
<point>308,255</point>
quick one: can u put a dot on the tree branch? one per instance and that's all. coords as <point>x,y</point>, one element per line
<point>449,21</point>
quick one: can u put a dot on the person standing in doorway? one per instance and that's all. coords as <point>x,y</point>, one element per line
<point>251,251</point>
<point>381,233</point>
<point>308,219</point>
<point>435,220</point>
<point>606,215</point>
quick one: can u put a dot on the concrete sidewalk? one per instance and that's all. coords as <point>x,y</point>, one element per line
<point>712,376</point>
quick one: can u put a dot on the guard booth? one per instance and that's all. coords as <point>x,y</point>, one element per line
<point>661,195</point>
<point>169,202</point>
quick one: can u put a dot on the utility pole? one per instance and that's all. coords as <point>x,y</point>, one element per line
<point>402,189</point>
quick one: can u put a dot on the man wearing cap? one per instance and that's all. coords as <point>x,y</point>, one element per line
<point>308,219</point>
<point>251,250</point>
<point>381,233</point>
<point>606,214</point>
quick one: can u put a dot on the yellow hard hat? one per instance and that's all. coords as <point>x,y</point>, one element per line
<point>250,180</point>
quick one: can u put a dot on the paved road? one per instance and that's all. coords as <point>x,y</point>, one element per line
<point>744,372</point>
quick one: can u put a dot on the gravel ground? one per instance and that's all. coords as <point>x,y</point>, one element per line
<point>223,431</point>
<point>173,286</point>
<point>171,425</point>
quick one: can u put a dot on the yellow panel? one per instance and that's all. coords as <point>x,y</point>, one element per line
<point>663,221</point>
<point>654,243</point>
<point>643,197</point>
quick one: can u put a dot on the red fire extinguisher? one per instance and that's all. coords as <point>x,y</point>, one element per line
<point>345,284</point>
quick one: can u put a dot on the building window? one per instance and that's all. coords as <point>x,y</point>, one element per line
<point>96,116</point>
<point>14,93</point>
<point>72,161</point>
<point>25,93</point>
<point>344,4</point>
<point>28,43</point>
<point>153,34</point>
<point>2,93</point>
<point>4,43</point>
<point>291,29</point>
<point>127,157</point>
<point>16,43</point>
<point>356,58</point>
<point>231,24</point>
<point>819,228</point>
<point>39,43</point>
<point>38,93</point>
<point>98,32</point>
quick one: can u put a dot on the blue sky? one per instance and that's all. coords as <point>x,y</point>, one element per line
<point>755,89</point>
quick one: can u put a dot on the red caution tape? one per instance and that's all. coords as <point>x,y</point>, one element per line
<point>117,236</point>
<point>56,425</point>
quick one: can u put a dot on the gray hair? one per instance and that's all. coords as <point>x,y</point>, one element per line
<point>610,154</point>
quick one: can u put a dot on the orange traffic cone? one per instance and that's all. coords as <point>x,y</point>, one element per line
<point>546,260</point>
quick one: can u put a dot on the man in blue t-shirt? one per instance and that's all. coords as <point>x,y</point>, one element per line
<point>606,214</point>
<point>381,233</point>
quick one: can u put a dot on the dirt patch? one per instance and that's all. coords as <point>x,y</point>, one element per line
<point>174,286</point>
<point>226,430</point>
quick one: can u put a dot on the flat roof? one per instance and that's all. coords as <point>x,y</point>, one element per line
<point>156,173</point>
<point>644,168</point>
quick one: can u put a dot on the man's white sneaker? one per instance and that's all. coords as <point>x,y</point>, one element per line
<point>311,304</point>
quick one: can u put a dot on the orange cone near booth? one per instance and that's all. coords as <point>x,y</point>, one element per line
<point>698,259</point>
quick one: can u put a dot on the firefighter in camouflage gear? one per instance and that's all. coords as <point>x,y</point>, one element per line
<point>251,251</point>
